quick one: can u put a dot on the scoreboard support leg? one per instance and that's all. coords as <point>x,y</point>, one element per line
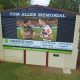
<point>66,68</point>
<point>24,56</point>
<point>47,53</point>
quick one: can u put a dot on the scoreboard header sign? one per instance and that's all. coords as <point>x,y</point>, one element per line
<point>38,11</point>
<point>47,15</point>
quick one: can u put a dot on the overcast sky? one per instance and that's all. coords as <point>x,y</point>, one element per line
<point>40,2</point>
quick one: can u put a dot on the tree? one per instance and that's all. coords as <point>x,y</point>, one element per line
<point>9,4</point>
<point>66,4</point>
<point>61,4</point>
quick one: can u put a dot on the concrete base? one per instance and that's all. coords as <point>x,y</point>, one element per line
<point>66,71</point>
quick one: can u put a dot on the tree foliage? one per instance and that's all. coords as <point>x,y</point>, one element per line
<point>9,4</point>
<point>72,5</point>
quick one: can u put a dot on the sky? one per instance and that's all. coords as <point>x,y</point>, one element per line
<point>40,2</point>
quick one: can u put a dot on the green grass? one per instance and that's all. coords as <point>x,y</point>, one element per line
<point>14,71</point>
<point>19,34</point>
<point>37,30</point>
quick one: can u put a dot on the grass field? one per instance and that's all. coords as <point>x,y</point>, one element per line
<point>14,71</point>
<point>38,30</point>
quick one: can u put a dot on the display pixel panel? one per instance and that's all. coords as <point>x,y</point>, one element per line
<point>37,29</point>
